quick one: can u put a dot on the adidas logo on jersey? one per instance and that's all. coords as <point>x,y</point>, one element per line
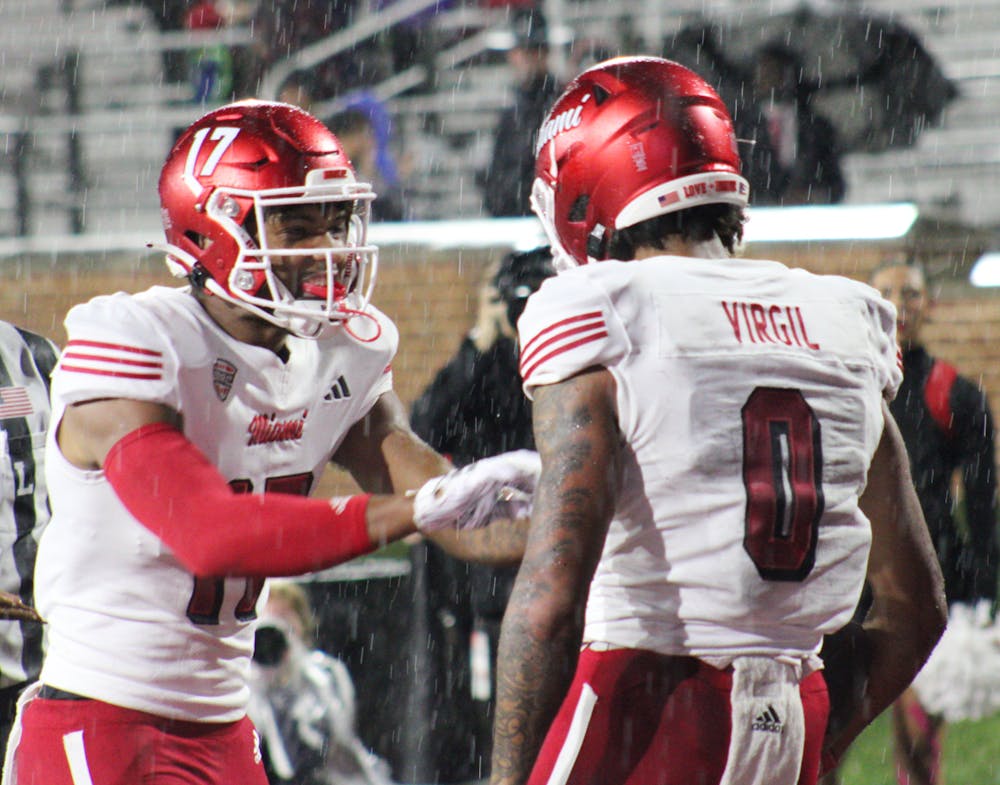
<point>339,390</point>
<point>767,721</point>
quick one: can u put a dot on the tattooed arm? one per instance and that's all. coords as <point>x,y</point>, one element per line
<point>576,432</point>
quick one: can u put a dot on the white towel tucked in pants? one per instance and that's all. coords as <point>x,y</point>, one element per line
<point>768,734</point>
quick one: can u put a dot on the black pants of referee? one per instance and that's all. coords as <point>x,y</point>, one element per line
<point>8,708</point>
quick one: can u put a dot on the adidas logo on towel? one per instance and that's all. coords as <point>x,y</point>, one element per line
<point>767,721</point>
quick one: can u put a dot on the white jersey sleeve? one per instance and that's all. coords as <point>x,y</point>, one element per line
<point>569,325</point>
<point>115,350</point>
<point>886,346</point>
<point>384,383</point>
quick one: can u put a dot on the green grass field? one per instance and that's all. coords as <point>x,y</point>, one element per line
<point>971,755</point>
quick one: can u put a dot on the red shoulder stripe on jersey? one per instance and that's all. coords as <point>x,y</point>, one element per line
<point>562,349</point>
<point>119,360</point>
<point>562,322</point>
<point>99,358</point>
<point>117,374</point>
<point>114,346</point>
<point>558,332</point>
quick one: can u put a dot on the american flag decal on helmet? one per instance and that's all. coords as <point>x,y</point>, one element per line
<point>563,336</point>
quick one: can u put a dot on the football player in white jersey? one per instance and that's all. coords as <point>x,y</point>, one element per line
<point>188,427</point>
<point>718,468</point>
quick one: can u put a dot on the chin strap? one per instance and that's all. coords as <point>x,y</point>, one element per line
<point>179,262</point>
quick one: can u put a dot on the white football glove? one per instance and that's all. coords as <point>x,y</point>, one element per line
<point>501,487</point>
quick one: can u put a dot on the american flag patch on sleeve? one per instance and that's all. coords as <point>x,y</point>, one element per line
<point>15,402</point>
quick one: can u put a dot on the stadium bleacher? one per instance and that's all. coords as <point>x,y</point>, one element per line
<point>85,94</point>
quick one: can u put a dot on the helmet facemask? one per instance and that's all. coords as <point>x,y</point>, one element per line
<point>341,287</point>
<point>543,203</point>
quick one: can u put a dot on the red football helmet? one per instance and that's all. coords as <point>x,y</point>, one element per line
<point>630,139</point>
<point>247,157</point>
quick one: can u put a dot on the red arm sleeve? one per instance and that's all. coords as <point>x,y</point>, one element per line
<point>172,489</point>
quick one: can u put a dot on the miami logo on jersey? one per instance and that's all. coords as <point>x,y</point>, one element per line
<point>266,428</point>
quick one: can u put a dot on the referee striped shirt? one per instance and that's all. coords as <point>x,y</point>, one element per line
<point>26,362</point>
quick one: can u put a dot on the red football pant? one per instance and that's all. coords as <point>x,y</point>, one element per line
<point>79,742</point>
<point>658,720</point>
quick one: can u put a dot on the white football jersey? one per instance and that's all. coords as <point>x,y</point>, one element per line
<point>749,395</point>
<point>127,623</point>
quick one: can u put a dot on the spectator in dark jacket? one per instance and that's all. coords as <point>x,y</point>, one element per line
<point>507,181</point>
<point>475,407</point>
<point>363,130</point>
<point>947,425</point>
<point>795,146</point>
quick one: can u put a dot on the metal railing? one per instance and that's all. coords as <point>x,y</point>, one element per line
<point>66,117</point>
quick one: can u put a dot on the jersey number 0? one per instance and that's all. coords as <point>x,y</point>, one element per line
<point>782,473</point>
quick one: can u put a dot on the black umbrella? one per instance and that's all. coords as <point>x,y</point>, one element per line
<point>870,76</point>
